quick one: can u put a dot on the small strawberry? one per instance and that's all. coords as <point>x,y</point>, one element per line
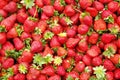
<point>75,18</point>
<point>42,24</point>
<point>83,29</point>
<point>113,28</point>
<point>116,74</point>
<point>72,42</point>
<point>54,42</point>
<point>71,53</point>
<point>11,7</point>
<point>80,66</point>
<point>109,75</point>
<point>47,50</point>
<point>25,36</point>
<point>9,22</point>
<point>62,37</point>
<point>108,65</point>
<point>93,38</point>
<point>87,60</point>
<point>98,5</point>
<point>83,45</point>
<point>113,6</point>
<point>3,14</point>
<point>115,59</point>
<point>9,62</point>
<point>97,61</point>
<point>61,51</point>
<point>93,11</point>
<point>61,70</point>
<point>71,32</point>
<point>85,3</point>
<point>19,76</point>
<point>84,76</point>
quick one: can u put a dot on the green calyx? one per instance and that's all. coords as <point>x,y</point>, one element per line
<point>70,78</point>
<point>48,35</point>
<point>1,18</point>
<point>22,69</point>
<point>57,60</point>
<point>62,2</point>
<point>27,43</point>
<point>109,19</point>
<point>37,30</point>
<point>109,52</point>
<point>63,34</point>
<point>114,30</point>
<point>19,30</point>
<point>28,3</point>
<point>99,71</point>
<point>69,22</point>
<point>56,13</point>
<point>33,19</point>
<point>2,28</point>
<point>83,14</point>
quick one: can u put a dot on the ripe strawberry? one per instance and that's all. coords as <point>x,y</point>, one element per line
<point>55,77</point>
<point>9,62</point>
<point>113,6</point>
<point>3,38</point>
<point>71,53</point>
<point>44,16</point>
<point>99,25</point>
<point>12,33</point>
<point>115,59</point>
<point>11,7</point>
<point>42,77</point>
<point>3,3</point>
<point>109,76</point>
<point>70,1</point>
<point>97,61</point>
<point>83,29</point>
<point>113,28</point>
<point>75,18</point>
<point>62,38</point>
<point>105,1</point>
<point>33,12</point>
<point>39,3</point>
<point>71,32</point>
<point>85,3</point>
<point>80,66</point>
<point>83,45</point>
<point>61,51</point>
<point>72,42</point>
<point>87,60</point>
<point>36,46</point>
<point>48,10</point>
<point>116,74</point>
<point>108,65</point>
<point>107,38</point>
<point>98,5</point>
<point>3,13</point>
<point>57,5</point>
<point>93,11</point>
<point>118,20</point>
<point>47,50</point>
<point>15,68</point>
<point>54,42</point>
<point>48,70</point>
<point>73,75</point>
<point>19,76</point>
<point>42,24</point>
<point>30,24</point>
<point>48,2</point>
<point>69,11</point>
<point>84,76</point>
<point>93,38</point>
<point>61,70</point>
<point>18,43</point>
<point>25,36</point>
<point>9,22</point>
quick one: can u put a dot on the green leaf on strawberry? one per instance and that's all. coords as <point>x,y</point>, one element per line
<point>48,35</point>
<point>19,30</point>
<point>62,2</point>
<point>70,78</point>
<point>109,19</point>
<point>56,13</point>
<point>33,19</point>
<point>69,22</point>
<point>28,3</point>
<point>48,58</point>
<point>22,69</point>
<point>99,71</point>
<point>57,60</point>
<point>27,43</point>
<point>37,30</point>
<point>1,18</point>
<point>2,28</point>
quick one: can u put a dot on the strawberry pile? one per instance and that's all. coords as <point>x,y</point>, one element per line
<point>59,39</point>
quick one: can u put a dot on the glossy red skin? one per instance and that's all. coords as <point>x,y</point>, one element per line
<point>83,29</point>
<point>80,66</point>
<point>73,74</point>
<point>15,68</point>
<point>106,13</point>
<point>71,33</point>
<point>105,1</point>
<point>112,45</point>
<point>113,6</point>
<point>118,20</point>
<point>69,10</point>
<point>44,16</point>
<point>61,51</point>
<point>12,33</point>
<point>98,5</point>
<point>3,3</point>
<point>61,71</point>
<point>71,53</point>
<point>85,3</point>
<point>54,42</point>
<point>116,73</point>
<point>39,3</point>
<point>97,61</point>
<point>24,36</point>
<point>2,38</point>
<point>33,12</point>
<point>19,77</point>
<point>47,50</point>
<point>57,29</point>
<point>8,46</point>
<point>42,24</point>
<point>87,60</point>
<point>9,62</point>
<point>75,18</point>
<point>93,38</point>
<point>115,58</point>
<point>56,77</point>
<point>11,7</point>
<point>3,13</point>
<point>43,77</point>
<point>84,76</point>
<point>70,1</point>
<point>58,6</point>
<point>109,75</point>
<point>62,40</point>
<point>46,2</point>
<point>93,11</point>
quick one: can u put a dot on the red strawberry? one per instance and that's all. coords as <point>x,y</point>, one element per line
<point>61,70</point>
<point>3,3</point>
<point>69,11</point>
<point>115,59</point>
<point>98,5</point>
<point>9,22</point>
<point>116,74</point>
<point>30,24</point>
<point>33,12</point>
<point>97,61</point>
<point>93,11</point>
<point>3,38</point>
<point>75,18</point>
<point>71,32</point>
<point>109,75</point>
<point>73,75</point>
<point>18,43</point>
<point>58,6</point>
<point>118,20</point>
<point>48,70</point>
<point>80,66</point>
<point>23,67</point>
<point>3,13</point>
<point>47,50</point>
<point>83,45</point>
<point>15,68</point>
<point>55,77</point>
<point>9,62</point>
<point>105,1</point>
<point>24,36</point>
<point>70,1</point>
<point>42,24</point>
<point>113,6</point>
<point>114,28</point>
<point>57,29</point>
<point>61,51</point>
<point>36,46</point>
<point>42,77</point>
<point>83,29</point>
<point>44,16</point>
<point>72,42</point>
<point>48,2</point>
<point>108,65</point>
<point>107,38</point>
<point>85,3</point>
<point>71,53</point>
<point>11,7</point>
<point>48,10</point>
<point>99,25</point>
<point>84,76</point>
<point>93,38</point>
<point>87,60</point>
<point>54,42</point>
<point>39,3</point>
<point>62,38</point>
<point>12,33</point>
<point>19,77</point>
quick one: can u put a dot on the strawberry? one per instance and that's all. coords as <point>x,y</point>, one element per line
<point>18,43</point>
<point>9,22</point>
<point>107,38</point>
<point>75,18</point>
<point>33,12</point>
<point>83,29</point>
<point>84,76</point>
<point>30,24</point>
<point>115,59</point>
<point>99,25</point>
<point>93,38</point>
<point>108,65</point>
<point>55,77</point>
<point>80,66</point>
<point>39,3</point>
<point>48,70</point>
<point>71,32</point>
<point>72,42</point>
<point>9,62</point>
<point>47,50</point>
<point>42,24</point>
<point>105,1</point>
<point>12,33</point>
<point>113,28</point>
<point>93,11</point>
<point>113,6</point>
<point>42,77</point>
<point>44,16</point>
<point>97,61</point>
<point>85,3</point>
<point>70,1</point>
<point>62,37</point>
<point>48,2</point>
<point>48,10</point>
<point>2,38</point>
<point>72,75</point>
<point>36,46</point>
<point>109,75</point>
<point>3,3</point>
<point>61,51</point>
<point>3,13</point>
<point>116,74</point>
<point>11,7</point>
<point>19,77</point>
<point>69,11</point>
<point>59,6</point>
<point>98,5</point>
<point>15,68</point>
<point>61,70</point>
<point>118,20</point>
<point>87,60</point>
<point>71,53</point>
<point>83,45</point>
<point>54,42</point>
<point>23,67</point>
